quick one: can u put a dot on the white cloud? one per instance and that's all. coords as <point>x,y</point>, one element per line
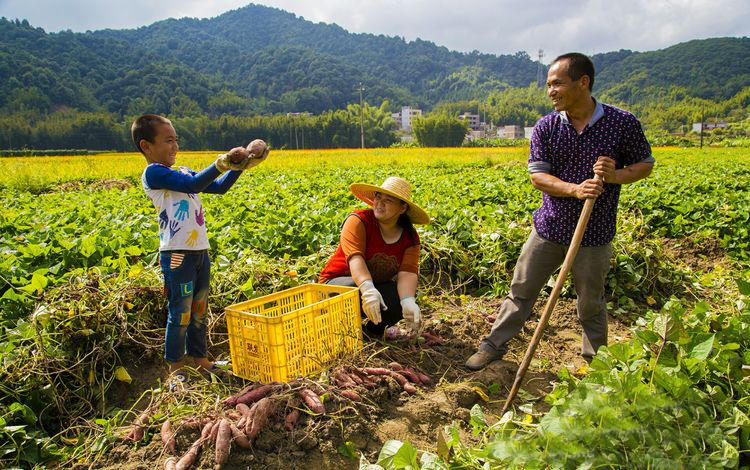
<point>493,26</point>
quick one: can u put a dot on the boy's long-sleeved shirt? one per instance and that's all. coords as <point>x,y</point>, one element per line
<point>174,194</point>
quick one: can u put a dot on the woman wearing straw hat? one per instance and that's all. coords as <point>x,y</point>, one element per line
<point>379,252</point>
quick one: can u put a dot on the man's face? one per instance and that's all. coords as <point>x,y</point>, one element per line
<point>164,148</point>
<point>565,92</point>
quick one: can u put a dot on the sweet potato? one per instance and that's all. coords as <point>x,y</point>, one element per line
<point>491,318</point>
<point>167,437</point>
<point>424,378</point>
<point>409,388</point>
<point>266,407</point>
<point>377,371</point>
<point>239,437</point>
<point>411,375</point>
<point>241,423</point>
<point>291,420</point>
<point>249,418</point>
<point>395,366</point>
<point>399,378</point>
<point>343,380</point>
<point>354,376</point>
<point>312,401</point>
<point>188,459</point>
<point>243,409</point>
<point>394,333</point>
<point>170,463</point>
<point>223,443</point>
<point>254,395</point>
<point>139,427</point>
<point>232,401</point>
<point>351,395</point>
<point>215,431</point>
<point>431,338</point>
<point>206,431</point>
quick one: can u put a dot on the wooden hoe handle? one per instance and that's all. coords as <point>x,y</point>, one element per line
<point>583,221</point>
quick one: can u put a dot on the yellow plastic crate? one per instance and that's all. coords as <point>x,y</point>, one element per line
<point>293,333</point>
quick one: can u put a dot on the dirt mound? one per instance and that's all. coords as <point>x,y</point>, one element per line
<point>98,185</point>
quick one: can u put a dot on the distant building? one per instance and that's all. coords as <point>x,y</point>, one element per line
<point>510,132</point>
<point>527,132</point>
<point>472,120</point>
<point>474,135</point>
<point>304,113</point>
<point>405,117</point>
<point>709,126</point>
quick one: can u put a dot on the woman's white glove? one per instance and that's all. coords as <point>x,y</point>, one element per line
<point>411,312</point>
<point>372,301</point>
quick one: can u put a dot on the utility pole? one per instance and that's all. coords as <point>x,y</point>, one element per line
<point>361,121</point>
<point>703,116</point>
<point>539,69</point>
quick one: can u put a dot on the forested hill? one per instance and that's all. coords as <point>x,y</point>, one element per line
<point>264,60</point>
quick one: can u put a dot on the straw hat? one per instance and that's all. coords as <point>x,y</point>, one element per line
<point>396,187</point>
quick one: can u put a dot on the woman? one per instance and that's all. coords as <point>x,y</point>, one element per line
<point>379,253</point>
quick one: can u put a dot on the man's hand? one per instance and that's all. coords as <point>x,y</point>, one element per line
<point>412,313</point>
<point>372,301</point>
<point>605,167</point>
<point>589,189</point>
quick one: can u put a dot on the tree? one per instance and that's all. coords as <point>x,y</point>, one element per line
<point>439,130</point>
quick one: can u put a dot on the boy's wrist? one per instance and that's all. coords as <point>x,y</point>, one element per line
<point>222,162</point>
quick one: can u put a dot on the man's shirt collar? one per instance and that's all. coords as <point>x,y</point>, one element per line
<point>598,114</point>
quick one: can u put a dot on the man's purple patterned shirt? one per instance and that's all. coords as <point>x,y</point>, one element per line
<point>558,149</point>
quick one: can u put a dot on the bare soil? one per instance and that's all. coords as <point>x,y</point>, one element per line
<point>387,412</point>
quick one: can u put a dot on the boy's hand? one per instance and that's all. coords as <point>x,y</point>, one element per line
<point>235,159</point>
<point>258,152</point>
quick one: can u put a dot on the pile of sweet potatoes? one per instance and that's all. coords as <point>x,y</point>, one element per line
<point>251,410</point>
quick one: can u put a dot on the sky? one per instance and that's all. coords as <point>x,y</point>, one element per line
<point>490,26</point>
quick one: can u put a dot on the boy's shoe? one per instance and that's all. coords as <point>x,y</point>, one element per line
<point>177,383</point>
<point>481,358</point>
<point>221,369</point>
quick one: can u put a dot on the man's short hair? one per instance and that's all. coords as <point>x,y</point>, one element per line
<point>578,66</point>
<point>145,127</point>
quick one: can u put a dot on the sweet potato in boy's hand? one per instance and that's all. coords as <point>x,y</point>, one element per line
<point>257,148</point>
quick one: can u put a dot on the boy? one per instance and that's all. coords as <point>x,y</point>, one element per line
<point>183,243</point>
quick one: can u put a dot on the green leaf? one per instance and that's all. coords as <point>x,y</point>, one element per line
<point>389,449</point>
<point>406,458</point>
<point>88,246</point>
<point>348,450</point>
<point>743,286</point>
<point>478,421</point>
<point>429,461</point>
<point>703,349</point>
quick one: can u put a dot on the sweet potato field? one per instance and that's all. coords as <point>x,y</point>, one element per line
<point>83,382</point>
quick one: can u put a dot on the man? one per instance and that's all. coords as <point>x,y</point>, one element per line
<point>580,139</point>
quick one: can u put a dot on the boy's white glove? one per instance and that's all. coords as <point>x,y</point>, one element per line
<point>412,314</point>
<point>372,301</point>
<point>255,160</point>
<point>236,159</point>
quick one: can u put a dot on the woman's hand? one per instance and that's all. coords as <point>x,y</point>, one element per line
<point>412,313</point>
<point>372,301</point>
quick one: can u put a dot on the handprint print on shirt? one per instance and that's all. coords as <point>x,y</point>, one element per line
<point>183,210</point>
<point>163,219</point>
<point>199,217</point>
<point>173,228</point>
<point>192,240</point>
